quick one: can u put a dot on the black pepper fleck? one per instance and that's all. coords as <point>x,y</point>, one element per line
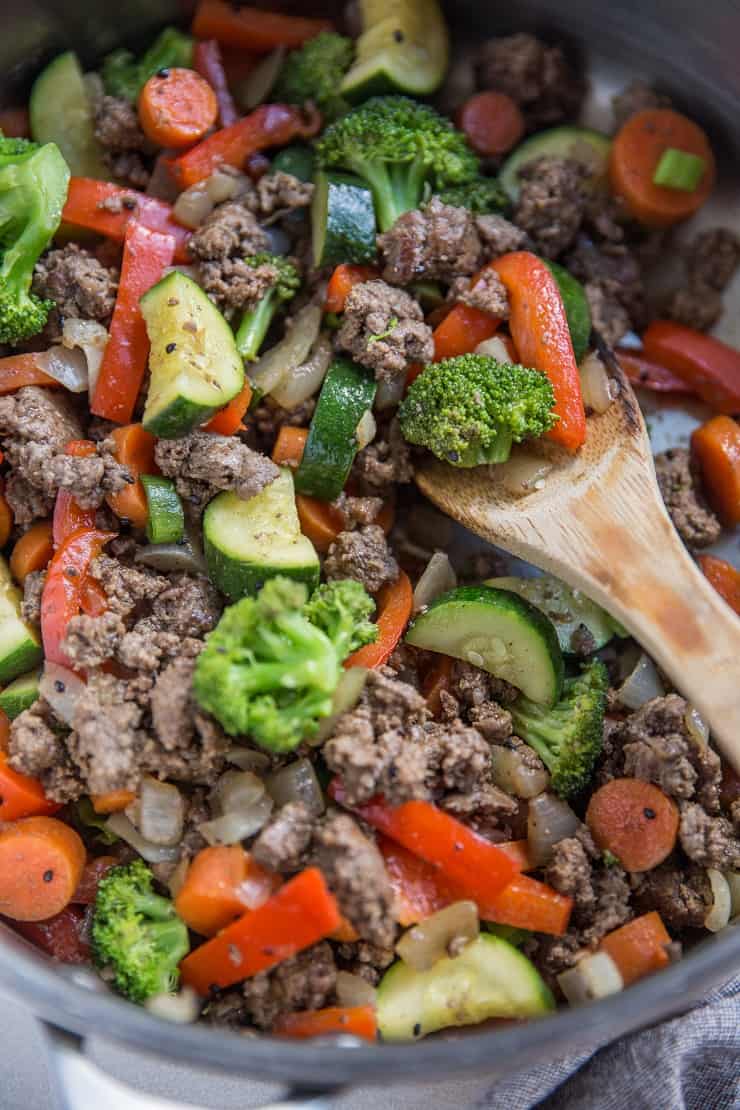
<point>163,72</point>
<point>649,813</point>
<point>59,686</point>
<point>48,876</point>
<point>129,203</point>
<point>417,1029</point>
<point>170,348</point>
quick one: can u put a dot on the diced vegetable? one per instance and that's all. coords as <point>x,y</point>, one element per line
<point>342,281</point>
<point>289,446</point>
<point>719,914</point>
<point>394,609</point>
<point>678,169</point>
<point>21,795</point>
<point>134,448</point>
<point>20,649</point>
<point>594,976</point>
<point>108,210</point>
<point>430,940</point>
<point>635,821</point>
<point>716,447</point>
<point>707,366</point>
<point>19,370</point>
<point>252,28</point>
<point>724,577</point>
<point>342,220</point>
<point>230,419</point>
<point>513,774</point>
<point>403,47</point>
<point>19,696</point>
<point>576,307</point>
<point>166,521</point>
<point>210,898</point>
<point>177,107</point>
<point>208,63</point>
<point>41,861</point>
<point>298,160</point>
<point>65,581</point>
<point>32,551</point>
<point>639,947</point>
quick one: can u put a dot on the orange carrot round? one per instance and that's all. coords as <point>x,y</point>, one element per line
<point>635,821</point>
<point>492,122</point>
<point>41,862</point>
<point>639,947</point>
<point>635,154</point>
<point>32,551</point>
<point>724,577</point>
<point>177,107</point>
<point>716,447</point>
<point>6,519</point>
<point>289,446</point>
<point>135,449</point>
<point>209,899</point>
<point>20,795</point>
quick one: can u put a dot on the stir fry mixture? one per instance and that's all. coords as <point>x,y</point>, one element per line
<point>269,755</point>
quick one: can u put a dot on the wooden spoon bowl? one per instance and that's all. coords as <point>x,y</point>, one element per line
<point>598,522</point>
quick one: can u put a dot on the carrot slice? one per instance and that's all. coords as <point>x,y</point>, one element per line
<point>41,861</point>
<point>394,610</point>
<point>213,892</point>
<point>320,521</point>
<point>289,446</point>
<point>492,122</point>
<point>230,419</point>
<point>253,28</point>
<point>6,518</point>
<point>21,795</point>
<point>343,280</point>
<point>32,551</point>
<point>724,577</point>
<point>134,447</point>
<point>355,1021</point>
<point>113,801</point>
<point>716,447</point>
<point>639,947</point>
<point>462,330</point>
<point>177,107</point>
<point>635,821</point>
<point>635,153</point>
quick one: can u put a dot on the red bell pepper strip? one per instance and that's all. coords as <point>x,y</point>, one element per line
<point>459,333</point>
<point>93,600</point>
<point>343,280</point>
<point>17,371</point>
<point>355,1021</point>
<point>65,581</point>
<point>300,914</point>
<point>230,419</point>
<point>109,209</point>
<point>539,328</point>
<point>269,125</point>
<point>146,253</point>
<point>394,610</point>
<point>207,62</point>
<point>478,868</point>
<point>253,28</point>
<point>419,888</point>
<point>22,795</point>
<point>650,375</point>
<point>65,936</point>
<point>708,366</point>
<point>69,516</point>
<point>92,873</point>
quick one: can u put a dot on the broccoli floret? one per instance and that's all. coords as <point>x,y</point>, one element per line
<point>124,76</point>
<point>256,321</point>
<point>568,736</point>
<point>399,147</point>
<point>342,609</point>
<point>469,410</point>
<point>315,73</point>
<point>33,189</point>
<point>482,196</point>
<point>137,934</point>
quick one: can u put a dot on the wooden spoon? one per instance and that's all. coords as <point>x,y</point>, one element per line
<point>598,522</point>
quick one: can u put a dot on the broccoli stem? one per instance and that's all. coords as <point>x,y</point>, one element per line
<point>255,324</point>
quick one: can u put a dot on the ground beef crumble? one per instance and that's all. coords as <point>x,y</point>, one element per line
<point>679,484</point>
<point>681,895</point>
<point>711,261</point>
<point>118,131</point>
<point>434,243</point>
<point>283,843</point>
<point>202,464</point>
<point>383,328</point>
<point>80,286</point>
<point>551,200</point>
<point>364,555</point>
<point>229,235</point>
<point>356,875</point>
<point>33,587</point>
<point>304,982</point>
<point>535,75</point>
<point>487,294</point>
<point>383,464</point>
<point>708,841</point>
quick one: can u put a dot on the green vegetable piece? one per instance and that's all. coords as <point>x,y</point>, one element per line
<point>256,321</point>
<point>136,933</point>
<point>576,307</point>
<point>33,189</point>
<point>61,112</point>
<point>298,160</point>
<point>85,818</point>
<point>678,169</point>
<point>398,147</point>
<point>343,610</point>
<point>315,71</point>
<point>482,195</point>
<point>469,410</point>
<point>581,144</point>
<point>404,47</point>
<point>166,522</point>
<point>342,220</point>
<point>509,933</point>
<point>568,736</point>
<point>20,694</point>
<point>20,649</point>
<point>125,77</point>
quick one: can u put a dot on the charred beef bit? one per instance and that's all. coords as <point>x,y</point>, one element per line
<point>229,235</point>
<point>356,875</point>
<point>90,641</point>
<point>202,464</point>
<point>681,895</point>
<point>36,748</point>
<point>80,286</point>
<point>369,961</point>
<point>305,982</point>
<point>227,1010</point>
<point>551,955</point>
<point>488,294</point>
<point>499,236</point>
<point>484,807</point>
<point>570,872</point>
<point>357,511</point>
<point>126,587</point>
<point>283,843</point>
<point>679,484</point>
<point>118,132</point>
<point>551,203</point>
<point>436,242</point>
<point>188,606</point>
<point>383,464</point>
<point>106,740</point>
<point>533,74</point>
<point>711,260</point>
<point>608,317</point>
<point>636,97</point>
<point>708,841</point>
<point>612,907</point>
<point>279,193</point>
<point>189,746</point>
<point>383,328</point>
<point>33,587</point>
<point>363,555</point>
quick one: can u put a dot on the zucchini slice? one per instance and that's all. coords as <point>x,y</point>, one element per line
<point>404,47</point>
<point>342,220</point>
<point>580,143</point>
<point>20,649</point>
<point>61,113</point>
<point>497,631</point>
<point>166,523</point>
<point>346,395</point>
<point>195,366</point>
<point>247,542</point>
<point>576,307</point>
<point>298,160</point>
<point>20,694</point>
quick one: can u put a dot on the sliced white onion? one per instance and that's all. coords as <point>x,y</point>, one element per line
<point>390,393</point>
<point>306,379</point>
<point>721,911</point>
<point>696,726</point>
<point>494,348</point>
<point>62,689</point>
<point>247,759</point>
<point>549,820</point>
<point>595,384</point>
<point>194,205</point>
<point>236,791</point>
<point>366,429</point>
<point>68,367</point>
<point>594,976</point>
<point>422,945</point>
<point>641,685</point>
<point>119,824</point>
<point>257,888</point>
<point>353,990</point>
<point>437,578</point>
<point>733,882</point>
<point>297,782</point>
<point>182,1008</point>
<point>161,812</point>
<point>176,558</point>
<point>292,351</point>
<point>512,774</point>
<point>522,473</point>
<point>236,826</point>
<point>91,338</point>
<point>257,86</point>
<point>346,696</point>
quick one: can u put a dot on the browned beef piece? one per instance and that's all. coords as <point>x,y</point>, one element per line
<point>680,486</point>
<point>228,236</point>
<point>269,418</point>
<point>33,587</point>
<point>681,895</point>
<point>458,758</point>
<point>636,97</point>
<point>278,192</point>
<point>612,907</point>
<point>227,1010</point>
<point>570,872</point>
<point>436,242</point>
<point>106,740</point>
<point>188,606</point>
<point>696,306</point>
<point>117,125</point>
<point>473,687</point>
<point>551,955</point>
<point>36,748</point>
<point>535,75</point>
<point>283,843</point>
<point>202,464</point>
<point>383,328</point>
<point>90,641</point>
<point>80,286</point>
<point>488,294</point>
<point>356,875</point>
<point>27,502</point>
<point>146,648</point>
<point>369,961</point>
<point>711,260</point>
<point>499,235</point>
<point>363,555</point>
<point>89,479</point>
<point>188,745</point>
<point>484,807</point>
<point>550,207</point>
<point>128,167</point>
<point>613,270</point>
<point>40,416</point>
<point>608,316</point>
<point>305,982</point>
<point>127,587</point>
<point>384,463</point>
<point>358,511</point>
<point>708,841</point>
